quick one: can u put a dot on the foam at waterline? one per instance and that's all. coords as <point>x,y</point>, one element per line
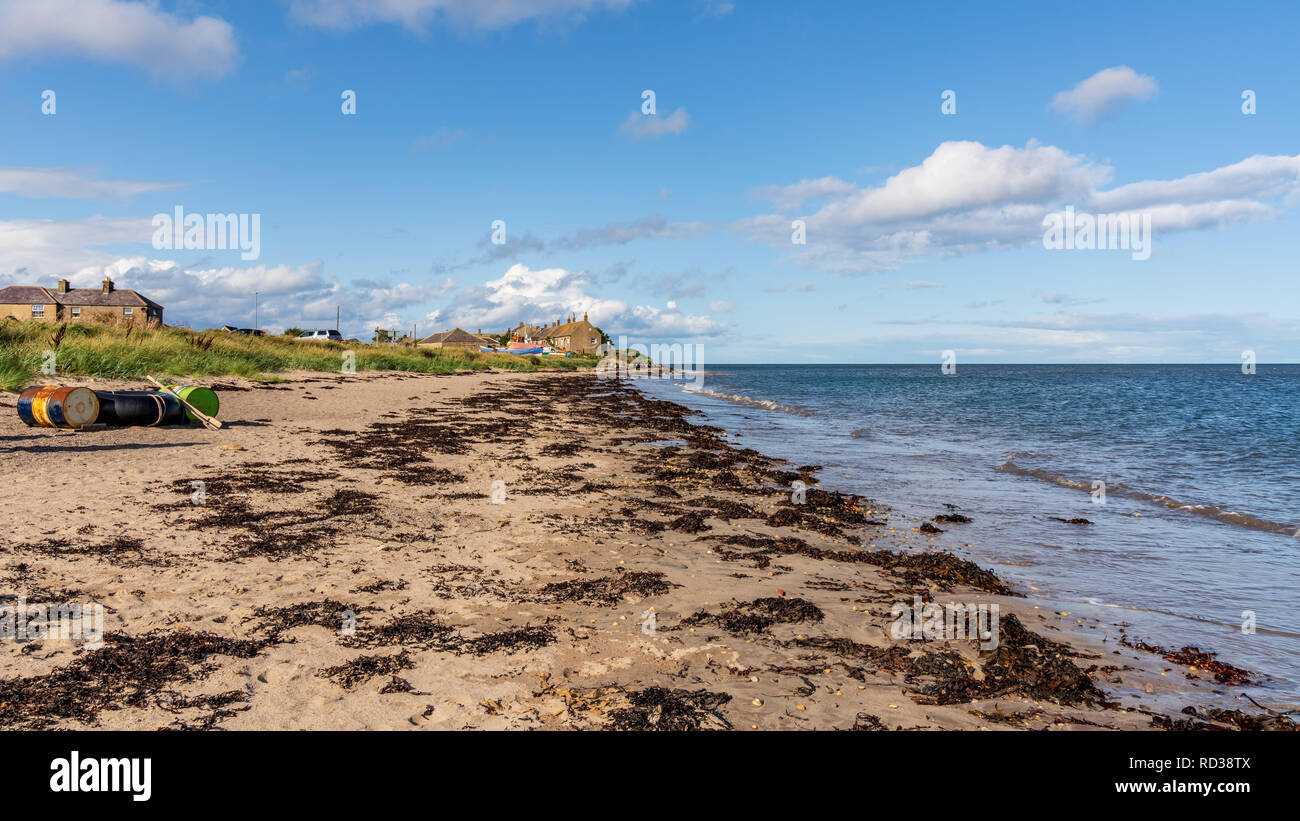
<point>1210,511</point>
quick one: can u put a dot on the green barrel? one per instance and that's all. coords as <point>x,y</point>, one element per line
<point>205,399</point>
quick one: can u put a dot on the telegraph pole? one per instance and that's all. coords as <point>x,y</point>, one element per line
<point>255,313</point>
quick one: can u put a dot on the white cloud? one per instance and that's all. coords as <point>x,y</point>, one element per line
<point>72,183</point>
<point>43,246</point>
<point>791,197</point>
<point>544,295</point>
<point>136,33</point>
<point>1257,176</point>
<point>640,126</point>
<point>288,295</point>
<point>1103,93</point>
<point>967,197</point>
<point>416,15</point>
<point>720,306</point>
<point>965,175</point>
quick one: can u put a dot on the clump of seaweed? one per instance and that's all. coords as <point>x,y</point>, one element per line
<point>1194,657</point>
<point>758,615</point>
<point>609,590</point>
<point>274,622</point>
<point>128,671</point>
<point>425,631</point>
<point>1268,722</point>
<point>1032,664</point>
<point>363,668</point>
<point>691,522</point>
<point>662,709</point>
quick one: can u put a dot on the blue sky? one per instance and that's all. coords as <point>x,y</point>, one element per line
<point>924,229</point>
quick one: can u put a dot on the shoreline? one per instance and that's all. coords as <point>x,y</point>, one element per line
<point>374,494</point>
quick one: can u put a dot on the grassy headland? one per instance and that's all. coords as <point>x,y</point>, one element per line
<point>105,351</point>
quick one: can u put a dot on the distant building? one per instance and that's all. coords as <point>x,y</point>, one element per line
<point>457,338</point>
<point>65,304</point>
<point>575,335</point>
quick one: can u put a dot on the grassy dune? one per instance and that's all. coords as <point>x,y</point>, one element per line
<point>126,353</point>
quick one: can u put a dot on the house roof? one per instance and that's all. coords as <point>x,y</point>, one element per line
<point>20,294</point>
<point>95,297</point>
<point>78,297</point>
<point>456,336</point>
<point>568,329</point>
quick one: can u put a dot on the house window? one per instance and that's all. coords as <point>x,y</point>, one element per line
<point>38,312</point>
<point>126,311</point>
<point>76,312</point>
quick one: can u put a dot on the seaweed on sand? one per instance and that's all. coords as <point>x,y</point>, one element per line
<point>274,622</point>
<point>954,681</point>
<point>659,708</point>
<point>1271,721</point>
<point>346,502</point>
<point>894,658</point>
<point>1196,658</point>
<point>609,590</point>
<point>758,615</point>
<point>690,522</point>
<point>939,567</point>
<point>127,671</point>
<point>425,631</point>
<point>1029,663</point>
<point>363,668</point>
<point>508,641</point>
<point>122,551</point>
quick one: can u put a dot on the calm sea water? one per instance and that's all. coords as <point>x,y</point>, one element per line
<point>1201,465</point>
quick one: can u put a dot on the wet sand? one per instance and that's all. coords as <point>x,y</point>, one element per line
<point>505,551</point>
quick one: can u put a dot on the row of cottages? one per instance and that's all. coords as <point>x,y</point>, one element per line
<point>66,304</point>
<point>457,338</point>
<point>573,334</point>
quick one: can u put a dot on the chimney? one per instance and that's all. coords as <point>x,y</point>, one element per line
<point>63,286</point>
<point>584,316</point>
<point>107,285</point>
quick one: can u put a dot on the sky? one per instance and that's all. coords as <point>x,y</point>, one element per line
<point>502,164</point>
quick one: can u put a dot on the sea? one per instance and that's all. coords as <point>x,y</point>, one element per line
<point>1189,475</point>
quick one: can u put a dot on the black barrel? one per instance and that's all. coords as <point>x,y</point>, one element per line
<point>139,408</point>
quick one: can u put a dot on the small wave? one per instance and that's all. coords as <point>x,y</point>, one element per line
<point>746,400</point>
<point>1220,514</point>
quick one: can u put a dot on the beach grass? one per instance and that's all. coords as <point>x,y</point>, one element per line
<point>128,352</point>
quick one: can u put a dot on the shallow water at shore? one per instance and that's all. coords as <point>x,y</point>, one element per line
<point>1199,463</point>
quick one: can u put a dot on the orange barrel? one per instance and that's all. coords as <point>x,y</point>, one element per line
<point>33,402</point>
<point>72,407</point>
<point>25,411</point>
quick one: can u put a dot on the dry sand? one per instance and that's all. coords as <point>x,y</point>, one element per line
<point>375,494</point>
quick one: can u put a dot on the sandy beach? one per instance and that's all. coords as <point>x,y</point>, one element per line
<point>505,551</point>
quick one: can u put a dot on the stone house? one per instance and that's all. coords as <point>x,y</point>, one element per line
<point>575,335</point>
<point>66,304</point>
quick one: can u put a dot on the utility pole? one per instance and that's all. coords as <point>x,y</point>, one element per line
<point>255,313</point>
<point>338,312</point>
